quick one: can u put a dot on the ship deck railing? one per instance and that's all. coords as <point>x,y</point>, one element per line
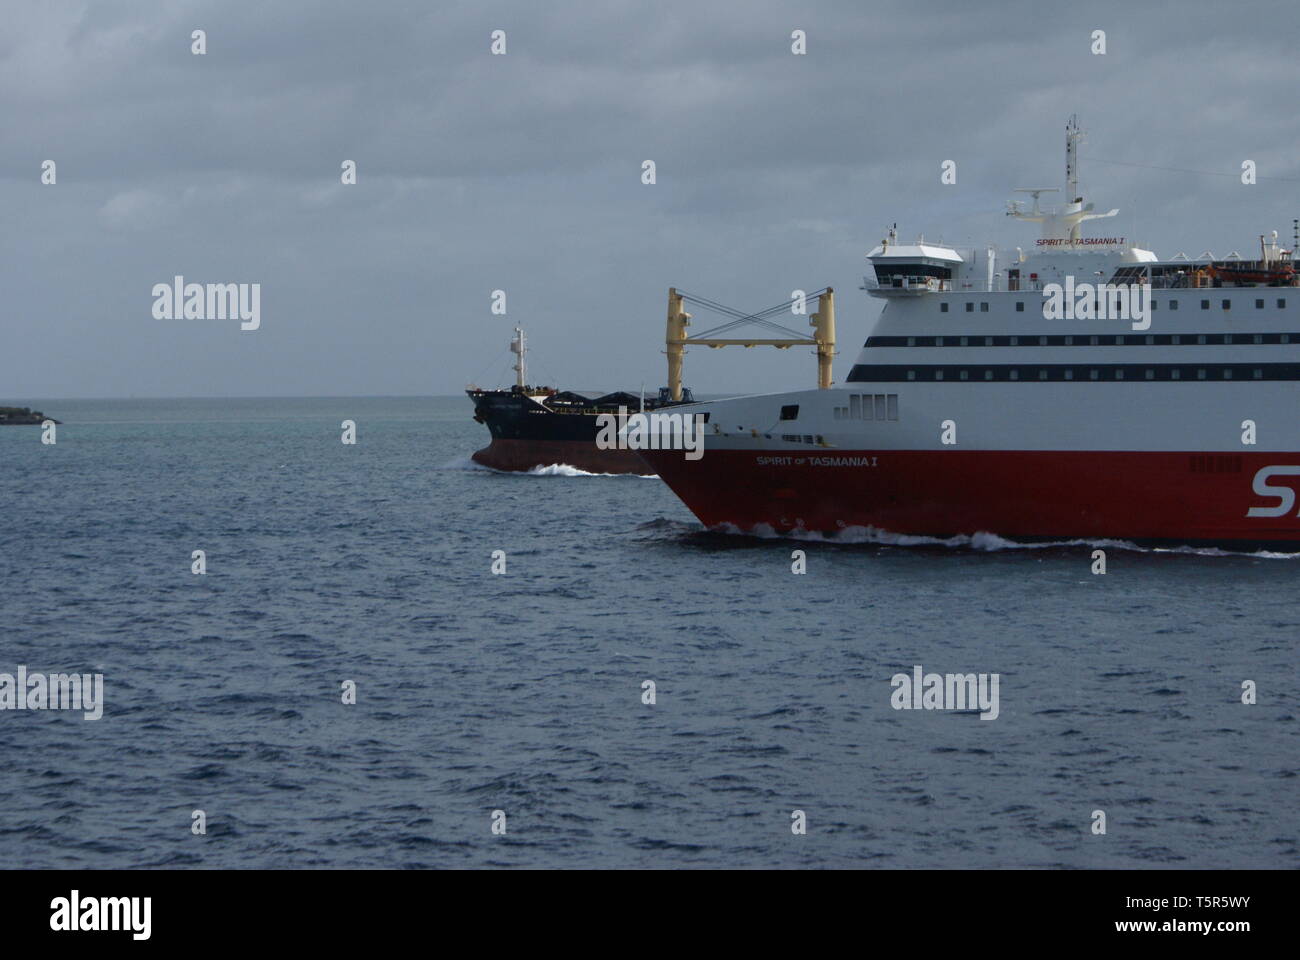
<point>1190,279</point>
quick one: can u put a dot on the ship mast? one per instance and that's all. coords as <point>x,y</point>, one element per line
<point>519,348</point>
<point>1072,137</point>
<point>1062,225</point>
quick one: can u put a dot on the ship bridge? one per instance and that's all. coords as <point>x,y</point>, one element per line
<point>919,268</point>
<point>913,268</point>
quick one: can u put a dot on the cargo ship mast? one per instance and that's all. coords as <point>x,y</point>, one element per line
<point>519,348</point>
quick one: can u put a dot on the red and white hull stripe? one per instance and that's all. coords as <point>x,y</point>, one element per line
<point>1190,497</point>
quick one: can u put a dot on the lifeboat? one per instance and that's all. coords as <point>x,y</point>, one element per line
<point>1253,273</point>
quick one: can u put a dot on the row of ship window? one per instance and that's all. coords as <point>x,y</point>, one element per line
<point>866,373</point>
<point>1225,304</point>
<point>1089,340</point>
<point>869,406</point>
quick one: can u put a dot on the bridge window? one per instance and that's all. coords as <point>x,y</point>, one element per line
<point>1227,304</point>
<point>790,412</point>
<point>1205,304</point>
<point>970,306</point>
<point>984,308</point>
<point>1281,302</point>
<point>943,307</point>
<point>1259,304</point>
<point>1020,306</point>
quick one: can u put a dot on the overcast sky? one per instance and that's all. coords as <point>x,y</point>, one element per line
<point>522,172</point>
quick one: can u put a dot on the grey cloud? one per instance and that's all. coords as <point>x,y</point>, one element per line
<point>522,172</point>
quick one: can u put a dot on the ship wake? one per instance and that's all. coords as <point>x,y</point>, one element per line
<point>982,541</point>
<point>564,470</point>
<point>550,470</point>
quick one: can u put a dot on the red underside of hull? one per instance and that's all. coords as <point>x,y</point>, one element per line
<point>1170,497</point>
<point>520,455</point>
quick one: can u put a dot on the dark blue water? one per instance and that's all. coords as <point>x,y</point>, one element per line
<point>522,692</point>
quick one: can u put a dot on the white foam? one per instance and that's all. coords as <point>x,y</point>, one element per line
<point>550,470</point>
<point>564,470</point>
<point>983,540</point>
<point>463,463</point>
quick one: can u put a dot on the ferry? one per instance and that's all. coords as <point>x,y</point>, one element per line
<point>978,405</point>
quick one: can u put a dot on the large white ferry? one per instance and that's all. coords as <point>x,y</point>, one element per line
<point>978,404</point>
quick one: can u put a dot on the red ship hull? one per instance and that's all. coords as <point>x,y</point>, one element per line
<point>1191,498</point>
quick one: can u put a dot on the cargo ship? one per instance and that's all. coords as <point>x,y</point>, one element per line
<point>535,427</point>
<point>976,405</point>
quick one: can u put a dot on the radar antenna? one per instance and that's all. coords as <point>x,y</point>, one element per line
<point>1014,206</point>
<point>1061,226</point>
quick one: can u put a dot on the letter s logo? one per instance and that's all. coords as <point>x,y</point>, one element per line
<point>1285,494</point>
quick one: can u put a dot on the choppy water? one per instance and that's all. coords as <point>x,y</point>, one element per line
<point>523,692</point>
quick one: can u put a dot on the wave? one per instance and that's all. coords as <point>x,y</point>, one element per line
<point>983,541</point>
<point>550,470</point>
<point>564,470</point>
<point>464,463</point>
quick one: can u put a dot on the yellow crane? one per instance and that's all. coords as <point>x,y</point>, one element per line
<point>822,321</point>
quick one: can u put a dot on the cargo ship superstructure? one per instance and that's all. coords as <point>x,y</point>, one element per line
<point>535,427</point>
<point>978,404</point>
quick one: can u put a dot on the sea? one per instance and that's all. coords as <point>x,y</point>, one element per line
<point>350,684</point>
